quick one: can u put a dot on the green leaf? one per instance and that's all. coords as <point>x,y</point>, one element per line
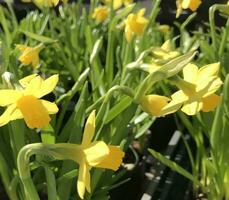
<point>174,166</point>
<point>39,38</point>
<point>51,183</point>
<point>118,108</point>
<point>144,128</point>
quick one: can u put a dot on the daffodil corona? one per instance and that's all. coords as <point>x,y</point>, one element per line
<point>26,103</point>
<point>153,104</point>
<point>95,154</point>
<point>135,24</point>
<point>196,90</point>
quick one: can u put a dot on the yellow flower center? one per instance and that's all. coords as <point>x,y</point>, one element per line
<point>35,114</point>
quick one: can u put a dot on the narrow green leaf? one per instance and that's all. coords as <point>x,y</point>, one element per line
<point>174,166</point>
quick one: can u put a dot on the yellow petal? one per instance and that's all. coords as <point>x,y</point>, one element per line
<point>96,152</point>
<point>100,13</point>
<point>117,4</point>
<point>141,12</point>
<point>50,107</point>
<point>153,104</point>
<point>113,160</point>
<point>171,107</point>
<point>192,108</point>
<point>209,86</point>
<point>8,97</point>
<point>167,46</point>
<point>127,2</point>
<point>6,116</point>
<point>33,86</point>
<point>25,81</point>
<point>34,113</point>
<point>47,86</point>
<point>208,70</point>
<point>210,102</point>
<point>185,4</point>
<point>16,114</point>
<point>83,179</point>
<point>194,4</point>
<point>128,34</point>
<point>191,4</point>
<point>89,129</point>
<point>190,73</point>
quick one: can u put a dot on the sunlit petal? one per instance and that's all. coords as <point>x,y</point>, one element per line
<point>81,183</point>
<point>190,73</point>
<point>192,108</point>
<point>8,97</point>
<point>207,71</point>
<point>89,129</point>
<point>47,86</point>
<point>50,107</point>
<point>6,116</point>
<point>209,86</point>
<point>33,86</point>
<point>25,81</point>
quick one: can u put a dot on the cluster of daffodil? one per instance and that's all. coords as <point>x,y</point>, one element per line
<point>80,84</point>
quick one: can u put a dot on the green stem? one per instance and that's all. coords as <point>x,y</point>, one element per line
<point>61,151</point>
<point>68,96</point>
<point>125,90</point>
<point>224,39</point>
<point>213,27</point>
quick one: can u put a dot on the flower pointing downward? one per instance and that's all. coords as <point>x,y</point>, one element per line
<point>26,103</point>
<point>93,154</point>
<point>30,55</point>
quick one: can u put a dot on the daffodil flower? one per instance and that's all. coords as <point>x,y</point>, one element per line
<point>185,4</point>
<point>161,56</point>
<point>135,24</point>
<point>25,102</point>
<point>196,90</point>
<point>153,104</point>
<point>100,13</point>
<point>118,3</point>
<point>45,3</point>
<point>30,55</point>
<point>92,154</point>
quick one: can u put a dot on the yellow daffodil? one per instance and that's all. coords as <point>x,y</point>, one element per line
<point>153,104</point>
<point>30,55</point>
<point>100,13</point>
<point>185,4</point>
<point>118,3</point>
<point>94,154</point>
<point>161,56</point>
<point>26,103</point>
<point>135,24</point>
<point>45,3</point>
<point>196,90</point>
